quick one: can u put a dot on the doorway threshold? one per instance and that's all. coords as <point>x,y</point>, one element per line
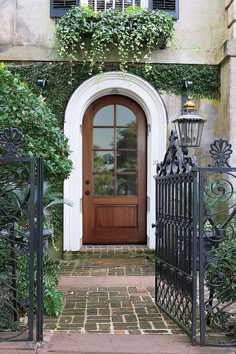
<point>113,248</point>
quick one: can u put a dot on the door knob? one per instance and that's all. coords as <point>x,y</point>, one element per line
<point>87,192</point>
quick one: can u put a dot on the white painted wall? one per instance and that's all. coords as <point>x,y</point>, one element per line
<point>152,104</point>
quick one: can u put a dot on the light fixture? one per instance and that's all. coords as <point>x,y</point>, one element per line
<point>189,125</point>
<point>41,83</point>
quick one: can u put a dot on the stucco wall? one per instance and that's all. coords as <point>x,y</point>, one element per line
<point>214,127</point>
<point>26,23</point>
<point>199,32</point>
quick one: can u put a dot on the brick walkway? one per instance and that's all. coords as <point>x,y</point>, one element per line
<point>116,262</point>
<point>111,309</point>
<point>114,310</point>
<point>113,248</point>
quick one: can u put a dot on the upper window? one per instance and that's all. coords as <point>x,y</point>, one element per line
<point>60,7</point>
<point>171,6</point>
<point>104,5</point>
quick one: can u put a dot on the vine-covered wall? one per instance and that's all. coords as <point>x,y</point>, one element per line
<point>64,78</point>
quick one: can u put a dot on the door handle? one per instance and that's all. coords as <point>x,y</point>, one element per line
<point>87,181</point>
<point>87,192</point>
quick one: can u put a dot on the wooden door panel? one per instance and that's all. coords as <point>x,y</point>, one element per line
<point>115,216</point>
<point>114,172</point>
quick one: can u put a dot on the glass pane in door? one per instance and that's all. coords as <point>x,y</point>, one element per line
<point>125,117</point>
<point>126,185</point>
<point>126,161</point>
<point>103,161</point>
<point>103,138</point>
<point>104,117</point>
<point>103,185</point>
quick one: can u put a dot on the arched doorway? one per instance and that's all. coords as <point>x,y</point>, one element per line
<point>140,91</point>
<point>114,172</point>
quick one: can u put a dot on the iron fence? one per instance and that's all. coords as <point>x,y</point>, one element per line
<point>21,269</point>
<point>195,278</point>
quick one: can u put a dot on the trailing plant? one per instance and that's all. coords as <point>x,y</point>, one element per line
<point>92,36</point>
<point>21,108</point>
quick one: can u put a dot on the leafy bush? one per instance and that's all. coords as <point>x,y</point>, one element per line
<point>52,297</point>
<point>221,273</point>
<point>90,36</point>
<point>20,108</point>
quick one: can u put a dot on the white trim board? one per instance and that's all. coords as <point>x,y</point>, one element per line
<point>151,102</point>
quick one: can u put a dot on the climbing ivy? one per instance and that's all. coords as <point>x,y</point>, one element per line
<point>64,78</point>
<point>92,35</point>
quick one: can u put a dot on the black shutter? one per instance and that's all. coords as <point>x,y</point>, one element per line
<point>171,6</point>
<point>58,8</point>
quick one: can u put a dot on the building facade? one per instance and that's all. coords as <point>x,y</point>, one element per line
<point>118,123</point>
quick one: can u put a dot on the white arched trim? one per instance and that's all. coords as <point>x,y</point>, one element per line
<point>151,102</point>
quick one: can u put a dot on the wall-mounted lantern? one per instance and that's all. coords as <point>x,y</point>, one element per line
<point>189,125</point>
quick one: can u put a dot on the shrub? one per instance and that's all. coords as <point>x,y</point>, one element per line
<point>221,273</point>
<point>20,108</point>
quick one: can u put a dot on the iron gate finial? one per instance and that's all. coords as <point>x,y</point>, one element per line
<point>221,151</point>
<point>10,139</point>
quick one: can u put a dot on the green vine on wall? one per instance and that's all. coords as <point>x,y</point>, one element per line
<point>83,34</point>
<point>63,79</point>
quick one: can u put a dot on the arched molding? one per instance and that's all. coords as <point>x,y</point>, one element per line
<point>153,106</point>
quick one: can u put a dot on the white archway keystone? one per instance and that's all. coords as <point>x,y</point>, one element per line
<point>151,102</point>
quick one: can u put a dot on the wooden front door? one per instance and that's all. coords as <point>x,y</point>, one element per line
<point>114,172</point>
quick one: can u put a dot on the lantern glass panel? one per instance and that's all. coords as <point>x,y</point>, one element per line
<point>189,130</point>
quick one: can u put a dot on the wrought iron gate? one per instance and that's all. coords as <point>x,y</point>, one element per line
<point>176,247</point>
<point>195,279</point>
<point>21,242</point>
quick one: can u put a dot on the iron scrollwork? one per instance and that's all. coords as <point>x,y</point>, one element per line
<point>197,233</point>
<point>175,161</point>
<point>220,250</point>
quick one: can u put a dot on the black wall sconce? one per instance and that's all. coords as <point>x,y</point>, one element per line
<point>41,83</point>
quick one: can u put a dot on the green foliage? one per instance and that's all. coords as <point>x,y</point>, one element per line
<point>91,36</point>
<point>64,78</point>
<point>52,301</point>
<point>221,273</point>
<point>21,108</point>
<point>52,297</point>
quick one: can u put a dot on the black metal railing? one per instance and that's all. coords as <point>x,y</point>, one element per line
<point>196,244</point>
<point>21,269</point>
